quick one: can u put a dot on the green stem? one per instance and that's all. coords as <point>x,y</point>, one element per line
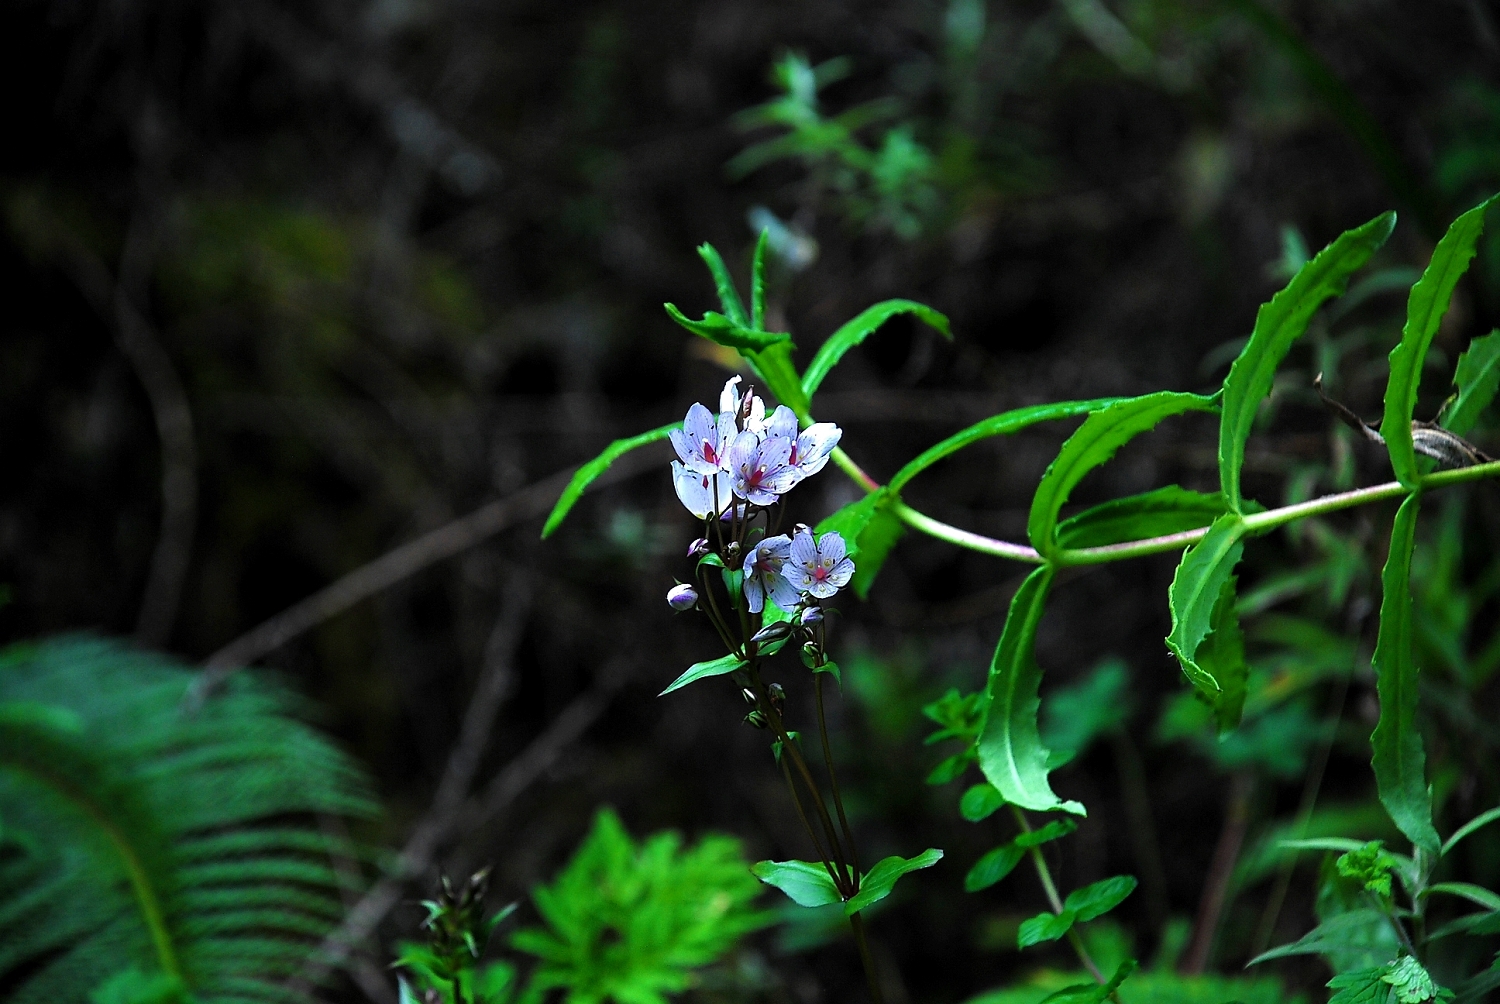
<point>857,924</point>
<point>833,778</point>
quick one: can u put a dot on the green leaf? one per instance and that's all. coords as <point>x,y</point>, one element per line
<point>1425,307</point>
<point>806,882</point>
<point>1477,894</point>
<point>591,470</point>
<point>996,425</point>
<point>1093,993</point>
<point>871,530</point>
<point>1153,514</point>
<point>1363,986</point>
<point>1196,592</point>
<point>1222,656</point>
<point>1011,753</point>
<point>775,369</point>
<point>1477,379</point>
<point>1075,715</point>
<point>723,331</point>
<point>1342,932</point>
<point>1399,760</point>
<point>1054,830</point>
<point>1096,440</point>
<point>1279,323</point>
<point>1483,819</point>
<point>980,802</point>
<point>1098,898</point>
<point>993,867</point>
<point>758,282</point>
<point>721,666</point>
<point>857,330</point>
<point>878,883</point>
<point>1411,981</point>
<point>729,297</point>
<point>1044,927</point>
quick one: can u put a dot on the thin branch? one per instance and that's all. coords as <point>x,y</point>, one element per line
<point>1220,872</point>
<point>394,566</point>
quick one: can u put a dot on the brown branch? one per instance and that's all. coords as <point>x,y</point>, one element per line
<point>1220,872</point>
<point>394,566</point>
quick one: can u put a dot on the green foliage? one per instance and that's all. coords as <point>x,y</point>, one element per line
<point>1099,704</point>
<point>722,666</point>
<point>1370,866</point>
<point>872,529</point>
<point>1093,993</point>
<point>1424,312</point>
<point>1010,747</point>
<point>880,880</point>
<point>1095,442</point>
<point>855,331</point>
<point>1477,379</point>
<point>806,883</point>
<point>630,922</point>
<point>156,854</point>
<point>590,471</point>
<point>1202,602</point>
<point>1151,514</point>
<point>1279,323</point>
<point>1403,981</point>
<point>1399,761</point>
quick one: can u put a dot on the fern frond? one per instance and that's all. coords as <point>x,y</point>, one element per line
<point>136,837</point>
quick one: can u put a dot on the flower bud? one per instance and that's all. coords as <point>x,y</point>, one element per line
<point>732,551</point>
<point>778,696</point>
<point>811,655</point>
<point>748,695</point>
<point>682,597</point>
<point>698,548</point>
<point>772,632</point>
<point>810,616</point>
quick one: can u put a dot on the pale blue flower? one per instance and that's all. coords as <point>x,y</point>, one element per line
<point>811,447</point>
<point>819,568</point>
<point>760,468</point>
<point>703,495</point>
<point>682,597</point>
<point>764,564</point>
<point>702,444</point>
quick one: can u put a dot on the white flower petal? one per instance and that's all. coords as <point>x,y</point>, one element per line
<point>755,597</point>
<point>823,590</point>
<point>693,490</point>
<point>804,550</point>
<point>729,397</point>
<point>840,574</point>
<point>783,594</point>
<point>783,422</point>
<point>798,575</point>
<point>831,548</point>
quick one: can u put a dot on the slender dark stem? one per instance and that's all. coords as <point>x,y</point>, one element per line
<point>833,778</point>
<point>714,616</point>
<point>791,786</point>
<point>1220,871</point>
<point>857,924</point>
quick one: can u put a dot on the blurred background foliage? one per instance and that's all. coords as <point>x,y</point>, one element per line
<point>353,270</point>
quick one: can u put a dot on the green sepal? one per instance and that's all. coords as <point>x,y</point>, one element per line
<point>591,470</point>
<point>1399,760</point>
<point>1095,442</point>
<point>1280,322</point>
<point>721,666</point>
<point>1425,307</point>
<point>806,883</point>
<point>1011,753</point>
<point>880,880</point>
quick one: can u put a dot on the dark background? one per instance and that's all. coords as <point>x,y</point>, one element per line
<point>405,258</point>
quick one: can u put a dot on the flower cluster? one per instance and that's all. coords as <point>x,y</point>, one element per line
<point>740,453</point>
<point>788,569</point>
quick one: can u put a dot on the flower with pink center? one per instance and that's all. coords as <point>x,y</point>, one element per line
<point>759,468</point>
<point>703,495</point>
<point>819,567</point>
<point>811,447</point>
<point>764,567</point>
<point>702,444</point>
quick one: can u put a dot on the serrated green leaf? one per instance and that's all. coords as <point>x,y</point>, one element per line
<point>1152,514</point>
<point>721,666</point>
<point>1098,898</point>
<point>1481,820</point>
<point>1399,760</point>
<point>729,297</point>
<point>1412,983</point>
<point>591,470</point>
<point>1093,993</point>
<point>1055,830</point>
<point>996,425</point>
<point>1342,932</point>
<point>980,802</point>
<point>1095,442</point>
<point>1196,591</point>
<point>1280,322</point>
<point>1222,656</point>
<point>993,867</point>
<point>1477,379</point>
<point>861,327</point>
<point>1011,753</point>
<point>878,883</point>
<point>723,331</point>
<point>1363,986</point>
<point>1425,307</point>
<point>806,883</point>
<point>1044,927</point>
<point>758,282</point>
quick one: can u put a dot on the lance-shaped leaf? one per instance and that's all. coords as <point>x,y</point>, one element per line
<point>1477,379</point>
<point>807,883</point>
<point>1195,594</point>
<point>1044,927</point>
<point>729,297</point>
<point>1096,440</point>
<point>758,282</point>
<point>993,867</point>
<point>1425,307</point>
<point>1279,323</point>
<point>1344,932</point>
<point>980,802</point>
<point>1152,514</point>
<point>871,530</point>
<point>723,331</point>
<point>1098,898</point>
<point>591,470</point>
<point>1093,993</point>
<point>1399,761</point>
<point>1222,656</point>
<point>1011,753</point>
<point>880,880</point>
<point>861,327</point>
<point>721,666</point>
<point>996,425</point>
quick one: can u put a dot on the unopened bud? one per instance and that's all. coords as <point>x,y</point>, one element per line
<point>748,695</point>
<point>772,632</point>
<point>810,616</point>
<point>756,719</point>
<point>801,528</point>
<point>682,597</point>
<point>698,548</point>
<point>732,551</point>
<point>778,696</point>
<point>812,656</point>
